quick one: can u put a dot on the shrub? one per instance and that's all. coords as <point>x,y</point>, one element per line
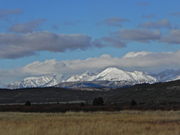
<point>82,104</point>
<point>98,101</point>
<point>133,103</point>
<point>28,103</point>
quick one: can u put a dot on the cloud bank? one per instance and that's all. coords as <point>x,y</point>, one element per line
<point>142,61</point>
<point>13,45</point>
<point>21,45</point>
<point>146,61</point>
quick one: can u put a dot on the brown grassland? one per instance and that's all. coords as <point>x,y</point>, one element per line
<point>95,123</point>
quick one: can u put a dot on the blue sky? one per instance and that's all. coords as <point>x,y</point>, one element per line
<point>64,30</point>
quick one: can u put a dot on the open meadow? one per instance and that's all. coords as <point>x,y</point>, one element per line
<point>96,123</point>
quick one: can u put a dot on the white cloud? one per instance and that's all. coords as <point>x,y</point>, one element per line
<point>38,68</point>
<point>136,54</point>
<point>140,60</point>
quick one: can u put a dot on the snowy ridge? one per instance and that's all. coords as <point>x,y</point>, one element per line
<point>168,75</point>
<point>31,82</point>
<point>109,78</point>
<point>114,74</point>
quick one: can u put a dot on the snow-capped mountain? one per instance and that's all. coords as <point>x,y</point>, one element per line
<point>109,78</point>
<point>31,82</point>
<point>114,74</point>
<point>167,75</point>
<point>176,78</point>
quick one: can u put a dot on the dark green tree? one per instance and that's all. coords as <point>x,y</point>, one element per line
<point>27,103</point>
<point>133,103</point>
<point>98,101</point>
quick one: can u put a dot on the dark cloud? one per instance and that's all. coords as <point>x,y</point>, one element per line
<point>21,45</point>
<point>121,38</point>
<point>27,27</point>
<point>172,38</point>
<point>13,45</point>
<point>138,35</point>
<point>115,21</point>
<point>158,24</point>
<point>8,12</point>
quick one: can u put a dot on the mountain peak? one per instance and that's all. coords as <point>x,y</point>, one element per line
<point>112,69</point>
<point>114,74</point>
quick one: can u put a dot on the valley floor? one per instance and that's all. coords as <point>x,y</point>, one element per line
<point>96,123</point>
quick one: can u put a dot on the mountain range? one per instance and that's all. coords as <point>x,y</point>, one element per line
<point>168,75</point>
<point>32,82</point>
<point>109,78</point>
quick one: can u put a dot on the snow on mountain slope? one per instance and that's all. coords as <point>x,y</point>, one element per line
<point>114,74</point>
<point>176,78</point>
<point>109,78</point>
<point>168,75</point>
<point>30,82</point>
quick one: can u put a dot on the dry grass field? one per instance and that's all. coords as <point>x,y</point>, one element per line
<point>97,123</point>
